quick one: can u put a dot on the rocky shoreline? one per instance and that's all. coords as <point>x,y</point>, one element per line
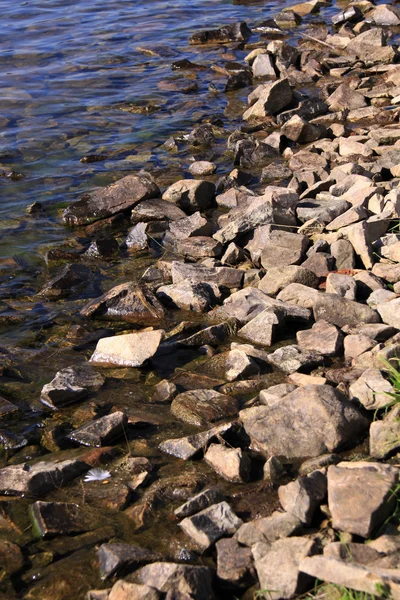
<point>227,424</point>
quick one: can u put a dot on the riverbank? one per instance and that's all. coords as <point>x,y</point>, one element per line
<point>204,405</point>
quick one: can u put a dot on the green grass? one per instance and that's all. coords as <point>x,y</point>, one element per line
<point>394,378</point>
<point>331,591</point>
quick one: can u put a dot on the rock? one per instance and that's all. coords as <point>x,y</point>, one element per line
<point>234,563</point>
<point>180,581</point>
<point>284,248</point>
<point>118,559</point>
<point>233,255</point>
<point>384,438</point>
<point>310,421</point>
<point>354,345</point>
<point>190,226</point>
<point>277,566</point>
<point>203,500</point>
<point>102,431</point>
<point>164,391</point>
<point>302,497</point>
<point>268,529</point>
<point>39,478</point>
<point>199,297</point>
<point>156,210</point>
<point>342,285</point>
<point>292,358</point>
<point>187,447</point>
<point>278,278</point>
<point>191,195</point>
<point>211,524</point>
<point>128,302</point>
<point>323,338</point>
<point>123,590</point>
<point>11,557</point>
<point>322,210</point>
<point>319,263</point>
<point>386,15</point>
<point>71,384</point>
<point>202,167</point>
<point>300,295</point>
<point>50,519</point>
<point>128,350</point>
<point>360,496</point>
<point>197,247</point>
<point>263,66</point>
<point>118,197</point>
<point>235,32</point>
<point>390,312</point>
<point>371,48</point>
<point>136,239</point>
<point>345,98</point>
<point>300,379</point>
<point>271,396</point>
<point>372,390</point>
<point>231,463</point>
<point>368,579</point>
<point>271,99</point>
<point>340,311</point>
<point>200,407</point>
<point>318,463</point>
<point>363,234</point>
<point>221,276</point>
<point>387,271</point>
<point>73,280</point>
<point>352,14</point>
<point>300,131</point>
<point>239,365</point>
<point>263,328</point>
<point>273,470</point>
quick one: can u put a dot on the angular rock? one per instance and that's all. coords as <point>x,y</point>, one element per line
<point>71,281</point>
<point>203,500</point>
<point>190,226</point>
<point>118,559</point>
<point>234,563</point>
<point>123,590</point>
<point>11,557</point>
<point>390,312</point>
<point>301,497</point>
<point>340,311</point>
<point>277,566</point>
<point>199,297</point>
<point>115,198</point>
<point>191,195</point>
<point>371,48</point>
<point>319,263</point>
<point>197,247</point>
<point>372,390</point>
<point>270,99</point>
<point>178,581</point>
<point>202,167</point>
<point>235,32</point>
<point>50,519</point>
<point>200,407</point>
<point>263,66</point>
<point>322,337</point>
<point>102,431</point>
<point>240,365</point>
<point>284,248</point>
<point>156,210</point>
<point>308,422</point>
<point>128,350</point>
<point>128,302</point>
<point>211,524</point>
<point>360,495</point>
<point>342,285</point>
<point>345,98</point>
<point>384,438</point>
<point>278,278</point>
<point>263,328</point>
<point>221,276</point>
<point>292,358</point>
<point>323,210</point>
<point>71,384</point>
<point>300,295</point>
<point>231,463</point>
<point>268,529</point>
<point>355,345</point>
<point>187,447</point>
<point>300,131</point>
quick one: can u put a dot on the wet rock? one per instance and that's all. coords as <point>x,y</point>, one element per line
<point>202,167</point>
<point>7,408</point>
<point>50,519</point>
<point>117,559</point>
<point>308,422</point>
<point>340,311</point>
<point>102,431</point>
<point>372,390</point>
<point>236,32</point>
<point>72,281</point>
<point>136,239</point>
<point>123,590</point>
<point>231,463</point>
<point>156,210</point>
<point>39,478</point>
<point>384,438</point>
<point>197,503</point>
<point>178,580</point>
<point>302,497</point>
<point>202,135</point>
<point>120,196</point>
<point>104,247</point>
<point>234,563</point>
<point>191,194</point>
<point>263,328</point>
<point>11,557</point>
<point>200,297</point>
<point>71,384</point>
<point>322,337</point>
<point>360,495</point>
<point>211,524</point>
<point>238,80</point>
<point>268,529</point>
<point>200,407</point>
<point>277,566</point>
<point>279,277</point>
<point>284,248</point>
<point>187,447</point>
<point>270,99</point>
<point>292,358</point>
<point>364,578</point>
<point>182,86</point>
<point>128,350</point>
<point>126,302</point>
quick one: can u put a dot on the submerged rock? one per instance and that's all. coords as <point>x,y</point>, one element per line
<point>71,384</point>
<point>72,281</point>
<point>122,558</point>
<point>237,32</point>
<point>58,518</point>
<point>211,524</point>
<point>200,407</point>
<point>187,447</point>
<point>102,431</point>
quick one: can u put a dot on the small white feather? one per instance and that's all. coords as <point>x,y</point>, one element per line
<point>97,475</point>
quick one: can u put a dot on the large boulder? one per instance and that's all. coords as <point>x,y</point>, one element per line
<point>312,420</point>
<point>118,197</point>
<point>341,311</point>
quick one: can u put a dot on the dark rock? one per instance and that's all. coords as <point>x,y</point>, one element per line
<point>234,563</point>
<point>126,302</point>
<point>270,99</point>
<point>307,109</point>
<point>236,81</point>
<point>191,194</point>
<point>323,210</point>
<point>72,281</point>
<point>202,135</point>
<point>197,503</point>
<point>237,32</point>
<point>106,248</point>
<point>102,431</point>
<point>11,558</point>
<point>302,497</point>
<point>300,131</point>
<point>340,311</point>
<point>319,263</point>
<point>187,447</point>
<point>352,14</point>
<point>124,590</point>
<point>200,407</point>
<point>156,210</point>
<point>50,519</point>
<point>71,384</point>
<point>211,524</point>
<point>118,559</point>
<point>178,579</point>
<point>115,198</point>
